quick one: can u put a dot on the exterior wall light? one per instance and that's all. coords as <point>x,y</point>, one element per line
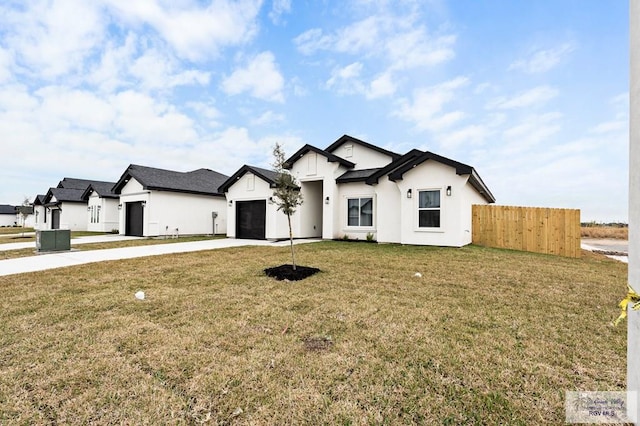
<point>230,203</point>
<point>449,191</point>
<point>270,200</point>
<point>144,204</point>
<point>408,193</point>
<point>120,206</point>
<point>326,200</point>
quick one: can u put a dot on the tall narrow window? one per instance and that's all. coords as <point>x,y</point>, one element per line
<point>360,212</point>
<point>429,209</point>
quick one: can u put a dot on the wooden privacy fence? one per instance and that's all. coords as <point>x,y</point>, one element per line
<point>540,230</point>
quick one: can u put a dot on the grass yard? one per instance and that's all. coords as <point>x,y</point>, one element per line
<point>485,336</point>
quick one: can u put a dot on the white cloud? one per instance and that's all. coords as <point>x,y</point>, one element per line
<point>279,8</point>
<point>537,95</point>
<point>345,80</point>
<point>543,60</point>
<point>260,77</point>
<point>382,85</point>
<point>396,39</point>
<point>194,32</point>
<point>425,109</point>
<point>533,130</point>
<point>53,38</point>
<point>267,118</point>
<point>156,70</point>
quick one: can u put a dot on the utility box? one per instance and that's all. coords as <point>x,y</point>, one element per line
<point>53,240</point>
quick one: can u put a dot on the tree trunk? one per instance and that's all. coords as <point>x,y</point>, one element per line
<point>293,256</point>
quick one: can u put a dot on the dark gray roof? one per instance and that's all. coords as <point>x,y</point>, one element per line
<point>201,181</point>
<point>356,175</point>
<point>39,200</point>
<point>64,195</point>
<point>73,183</point>
<point>268,176</point>
<point>103,189</point>
<point>7,209</point>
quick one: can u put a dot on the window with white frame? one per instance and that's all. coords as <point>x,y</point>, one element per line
<point>429,209</point>
<point>360,211</point>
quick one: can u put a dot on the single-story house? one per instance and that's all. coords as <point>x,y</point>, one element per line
<point>102,207</point>
<point>358,190</point>
<point>65,207</point>
<point>158,202</point>
<point>8,215</point>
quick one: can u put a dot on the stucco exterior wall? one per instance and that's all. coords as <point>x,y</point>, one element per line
<point>165,211</point>
<point>73,216</point>
<point>432,175</point>
<point>8,219</point>
<point>107,218</point>
<point>357,190</point>
<point>39,215</point>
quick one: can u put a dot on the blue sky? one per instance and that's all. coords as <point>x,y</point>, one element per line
<point>533,94</point>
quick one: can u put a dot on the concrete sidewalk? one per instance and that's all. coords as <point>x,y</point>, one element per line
<point>72,258</point>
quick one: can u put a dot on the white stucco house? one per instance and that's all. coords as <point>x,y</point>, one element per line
<point>354,189</point>
<point>157,202</point>
<point>7,215</point>
<point>102,207</point>
<point>64,206</point>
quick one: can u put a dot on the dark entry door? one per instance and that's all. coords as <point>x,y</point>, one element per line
<point>134,219</point>
<point>55,219</point>
<point>251,219</point>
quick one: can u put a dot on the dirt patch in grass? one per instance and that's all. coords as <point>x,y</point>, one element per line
<point>317,343</point>
<point>286,272</point>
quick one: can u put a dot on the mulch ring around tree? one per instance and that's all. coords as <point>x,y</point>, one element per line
<point>286,272</point>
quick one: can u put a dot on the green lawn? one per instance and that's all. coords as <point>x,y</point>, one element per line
<point>485,336</point>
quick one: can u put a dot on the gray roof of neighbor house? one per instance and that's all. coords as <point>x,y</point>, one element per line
<point>64,195</point>
<point>103,189</point>
<point>39,200</point>
<point>7,209</point>
<point>268,176</point>
<point>73,183</point>
<point>200,181</point>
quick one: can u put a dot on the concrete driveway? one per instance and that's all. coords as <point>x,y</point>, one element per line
<point>615,249</point>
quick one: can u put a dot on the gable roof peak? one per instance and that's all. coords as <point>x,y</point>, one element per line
<point>346,139</point>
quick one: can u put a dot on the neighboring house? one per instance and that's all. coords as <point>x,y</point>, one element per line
<point>102,207</point>
<point>39,212</point>
<point>355,189</point>
<point>7,215</point>
<point>157,202</point>
<point>65,207</point>
<point>25,215</point>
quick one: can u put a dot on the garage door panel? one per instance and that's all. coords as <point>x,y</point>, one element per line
<point>251,219</point>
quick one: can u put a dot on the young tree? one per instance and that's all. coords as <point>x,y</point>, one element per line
<point>25,211</point>
<point>287,193</point>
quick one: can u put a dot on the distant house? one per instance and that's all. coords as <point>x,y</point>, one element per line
<point>66,207</point>
<point>356,189</point>
<point>102,207</point>
<point>157,202</point>
<point>7,215</point>
<point>39,212</point>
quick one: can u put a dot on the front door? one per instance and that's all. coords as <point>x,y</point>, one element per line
<point>134,219</point>
<point>55,219</point>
